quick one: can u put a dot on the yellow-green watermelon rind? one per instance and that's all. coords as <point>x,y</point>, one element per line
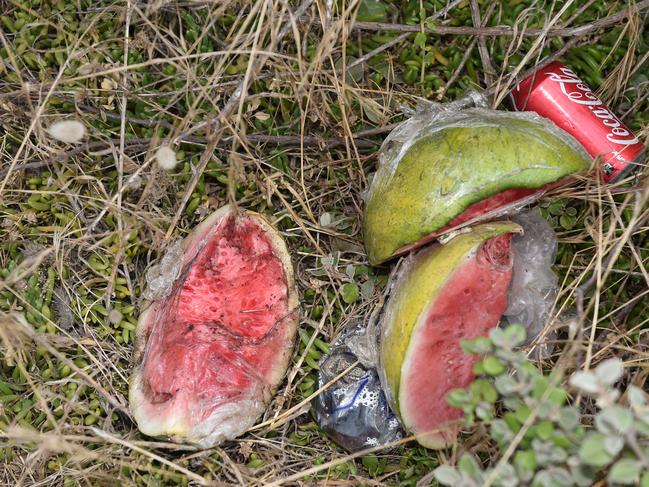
<point>441,174</point>
<point>415,289</point>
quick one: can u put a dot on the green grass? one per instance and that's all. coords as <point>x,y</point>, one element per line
<point>80,224</point>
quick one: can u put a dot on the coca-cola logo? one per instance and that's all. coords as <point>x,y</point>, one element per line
<point>578,92</point>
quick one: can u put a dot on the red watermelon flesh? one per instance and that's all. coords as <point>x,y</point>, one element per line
<point>218,345</point>
<point>470,304</point>
<point>490,204</point>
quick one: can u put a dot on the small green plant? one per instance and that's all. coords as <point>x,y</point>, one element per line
<point>541,439</point>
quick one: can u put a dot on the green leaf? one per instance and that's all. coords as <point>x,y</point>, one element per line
<point>469,347</point>
<point>645,480</point>
<point>430,24</point>
<point>515,335</point>
<point>493,366</point>
<point>637,397</point>
<point>478,368</point>
<point>371,463</point>
<point>485,411</point>
<point>372,11</point>
<point>255,463</point>
<point>609,371</point>
<point>642,428</point>
<point>614,420</point>
<point>483,345</point>
<point>593,451</point>
<point>350,292</point>
<point>567,222</point>
<point>525,461</point>
<point>367,288</point>
<point>583,475</point>
<point>522,413</point>
<point>561,477</point>
<point>458,398</point>
<point>447,475</point>
<point>469,467</point>
<point>545,429</point>
<point>505,384</point>
<point>500,431</point>
<point>569,418</point>
<point>420,39</point>
<point>545,409</point>
<point>613,445</point>
<point>585,381</point>
<point>512,422</point>
<point>350,270</point>
<point>556,208</point>
<point>558,396</point>
<point>498,337</point>
<point>483,388</point>
<point>506,476</point>
<point>561,440</point>
<point>539,386</point>
<point>625,471</point>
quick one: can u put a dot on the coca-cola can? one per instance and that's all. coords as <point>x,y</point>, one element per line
<point>556,92</point>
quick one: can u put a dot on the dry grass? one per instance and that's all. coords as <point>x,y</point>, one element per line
<point>82,223</point>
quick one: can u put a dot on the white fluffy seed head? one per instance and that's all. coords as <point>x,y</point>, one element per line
<point>68,131</point>
<point>115,316</point>
<point>166,158</point>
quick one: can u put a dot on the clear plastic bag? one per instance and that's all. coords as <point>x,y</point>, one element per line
<point>534,284</point>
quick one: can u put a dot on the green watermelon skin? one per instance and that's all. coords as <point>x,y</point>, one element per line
<point>475,155</point>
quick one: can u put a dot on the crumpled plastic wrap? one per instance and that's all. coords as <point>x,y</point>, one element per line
<point>160,277</point>
<point>464,112</point>
<point>534,284</point>
<point>354,411</point>
<point>425,119</point>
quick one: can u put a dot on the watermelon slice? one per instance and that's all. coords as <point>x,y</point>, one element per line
<point>466,167</point>
<point>209,356</point>
<point>441,296</point>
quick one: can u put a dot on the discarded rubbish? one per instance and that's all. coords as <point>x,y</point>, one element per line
<point>214,342</point>
<point>534,285</point>
<point>446,168</point>
<point>354,411</point>
<point>557,93</point>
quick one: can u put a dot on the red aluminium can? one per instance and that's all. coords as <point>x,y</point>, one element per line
<point>557,93</point>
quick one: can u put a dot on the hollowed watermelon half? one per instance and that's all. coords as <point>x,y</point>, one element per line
<point>209,356</point>
<point>464,168</point>
<point>441,296</point>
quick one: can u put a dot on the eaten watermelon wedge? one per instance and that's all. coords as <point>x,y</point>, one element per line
<point>209,356</point>
<point>441,296</point>
<point>463,168</point>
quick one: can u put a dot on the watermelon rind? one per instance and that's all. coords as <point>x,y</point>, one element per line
<point>413,289</point>
<point>427,179</point>
<point>229,420</point>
